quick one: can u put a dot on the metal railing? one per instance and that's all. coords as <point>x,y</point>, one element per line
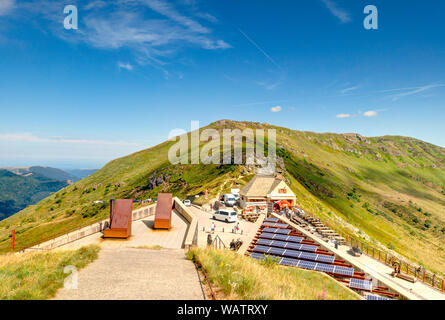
<point>218,243</point>
<point>423,275</point>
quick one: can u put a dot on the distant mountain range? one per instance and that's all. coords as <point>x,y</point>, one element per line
<point>23,186</point>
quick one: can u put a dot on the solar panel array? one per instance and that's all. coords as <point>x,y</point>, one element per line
<point>281,237</point>
<point>275,225</point>
<point>360,284</point>
<point>287,245</point>
<point>371,297</point>
<point>309,265</point>
<point>275,230</point>
<point>275,241</point>
<point>294,254</point>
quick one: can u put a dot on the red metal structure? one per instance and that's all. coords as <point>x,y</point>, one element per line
<point>13,240</point>
<point>120,219</point>
<point>163,215</point>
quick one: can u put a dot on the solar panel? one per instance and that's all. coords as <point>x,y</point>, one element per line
<point>307,265</point>
<point>325,258</point>
<point>325,268</point>
<point>308,256</point>
<point>307,247</point>
<point>300,263</point>
<point>264,246</point>
<point>265,242</point>
<point>263,249</point>
<point>371,297</point>
<point>360,284</point>
<point>275,230</point>
<point>276,251</point>
<point>344,271</point>
<point>290,262</point>
<point>281,237</point>
<point>272,220</point>
<point>258,256</point>
<point>275,225</point>
<point>287,245</point>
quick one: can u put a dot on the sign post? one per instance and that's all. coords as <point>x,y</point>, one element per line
<point>13,240</point>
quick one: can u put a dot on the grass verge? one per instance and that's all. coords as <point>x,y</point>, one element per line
<point>38,276</point>
<point>155,247</point>
<point>243,278</point>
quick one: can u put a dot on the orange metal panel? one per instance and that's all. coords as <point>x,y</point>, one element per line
<point>163,215</point>
<point>120,219</point>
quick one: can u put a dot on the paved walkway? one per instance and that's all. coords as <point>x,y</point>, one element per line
<point>143,234</point>
<point>137,274</point>
<point>377,270</point>
<point>205,221</point>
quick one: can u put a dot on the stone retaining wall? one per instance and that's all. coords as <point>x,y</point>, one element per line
<point>191,238</point>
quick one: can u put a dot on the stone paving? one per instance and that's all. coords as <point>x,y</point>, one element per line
<point>137,274</point>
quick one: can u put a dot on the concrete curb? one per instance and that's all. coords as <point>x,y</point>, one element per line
<point>191,238</point>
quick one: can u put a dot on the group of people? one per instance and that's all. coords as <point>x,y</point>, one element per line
<point>234,245</point>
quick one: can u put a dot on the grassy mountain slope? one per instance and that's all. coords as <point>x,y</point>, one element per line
<point>391,188</point>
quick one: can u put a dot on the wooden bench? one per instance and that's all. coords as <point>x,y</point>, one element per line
<point>406,277</point>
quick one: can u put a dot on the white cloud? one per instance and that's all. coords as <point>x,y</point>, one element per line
<point>405,92</point>
<point>151,29</point>
<point>6,6</point>
<point>125,66</point>
<point>340,13</point>
<point>207,16</point>
<point>371,113</point>
<point>346,90</point>
<point>26,137</point>
<point>276,109</point>
<point>168,11</point>
<point>343,116</point>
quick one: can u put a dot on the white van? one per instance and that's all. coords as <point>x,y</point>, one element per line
<point>225,215</point>
<point>187,203</point>
<point>229,200</point>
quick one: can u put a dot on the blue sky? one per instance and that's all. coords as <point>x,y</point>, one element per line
<point>136,69</point>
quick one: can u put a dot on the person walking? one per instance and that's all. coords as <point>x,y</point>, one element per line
<point>232,244</point>
<point>212,227</point>
<point>209,240</point>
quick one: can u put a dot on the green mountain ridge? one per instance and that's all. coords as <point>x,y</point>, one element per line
<point>388,190</point>
<point>47,172</point>
<point>18,191</point>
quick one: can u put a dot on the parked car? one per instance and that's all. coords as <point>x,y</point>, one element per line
<point>229,200</point>
<point>187,203</point>
<point>225,215</point>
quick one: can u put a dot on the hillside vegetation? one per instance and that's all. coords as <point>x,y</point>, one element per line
<point>388,190</point>
<point>38,276</point>
<point>243,278</point>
